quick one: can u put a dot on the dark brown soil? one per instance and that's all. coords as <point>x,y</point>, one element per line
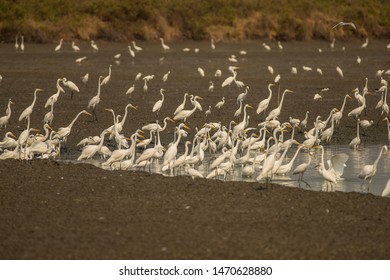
<point>52,210</point>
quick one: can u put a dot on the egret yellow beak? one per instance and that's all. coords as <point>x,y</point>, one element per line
<point>87,113</point>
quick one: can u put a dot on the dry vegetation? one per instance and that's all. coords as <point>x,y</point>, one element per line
<point>48,20</point>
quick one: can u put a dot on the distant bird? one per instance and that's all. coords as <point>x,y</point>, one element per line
<point>108,77</point>
<point>94,46</point>
<point>319,71</point>
<point>132,53</point>
<point>58,47</point>
<point>164,46</point>
<point>74,47</point>
<point>130,90</point>
<point>208,112</point>
<point>16,43</point>
<point>165,77</point>
<point>85,78</point>
<point>220,104</point>
<point>280,45</point>
<point>294,70</point>
<point>211,87</point>
<point>22,44</point>
<point>79,60</point>
<point>365,44</point>
<point>212,44</point>
<point>268,48</point>
<point>338,69</point>
<point>341,23</point>
<point>136,48</point>
<point>358,60</point>
<point>218,73</point>
<point>201,71</point>
<point>157,106</point>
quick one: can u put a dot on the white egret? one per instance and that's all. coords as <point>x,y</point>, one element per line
<point>212,44</point>
<point>171,152</point>
<point>85,78</point>
<point>357,111</point>
<point>369,171</point>
<point>156,126</point>
<point>27,112</point>
<point>338,69</point>
<point>386,190</point>
<point>286,168</point>
<point>22,43</point>
<point>355,142</point>
<point>166,76</point>
<point>242,95</point>
<point>342,24</point>
<point>48,118</point>
<point>75,47</point>
<point>358,60</point>
<point>193,172</point>
<point>196,103</point>
<point>58,47</point>
<point>365,44</point>
<point>8,141</point>
<point>5,119</point>
<point>136,48</point>
<point>220,104</point>
<point>307,68</point>
<point>16,42</point>
<point>294,70</point>
<point>280,45</point>
<point>270,69</point>
<point>94,46</point>
<point>238,111</point>
<point>72,86</point>
<point>208,112</point>
<point>177,163</point>
<point>80,59</point>
<point>63,132</point>
<point>94,101</point>
<point>90,150</point>
<point>339,114</point>
<point>181,106</point>
<point>201,71</point>
<point>211,87</point>
<point>276,112</point>
<point>108,77</point>
<point>131,52</point>
<point>319,71</point>
<point>130,90</point>
<point>157,106</point>
<point>54,97</point>
<point>263,105</point>
<point>163,45</point>
<point>184,114</point>
<point>301,169</point>
<point>266,47</point>
<point>218,73</point>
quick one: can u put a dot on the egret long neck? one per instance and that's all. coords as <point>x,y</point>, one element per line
<point>75,119</point>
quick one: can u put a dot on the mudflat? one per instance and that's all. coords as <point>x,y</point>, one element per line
<point>55,210</point>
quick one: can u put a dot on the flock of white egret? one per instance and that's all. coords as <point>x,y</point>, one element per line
<point>259,149</point>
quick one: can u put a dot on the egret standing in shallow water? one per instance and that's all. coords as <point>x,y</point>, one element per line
<point>369,171</point>
<point>72,86</point>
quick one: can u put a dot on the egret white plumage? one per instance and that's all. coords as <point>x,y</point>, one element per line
<point>368,171</point>
<point>5,119</point>
<point>108,77</point>
<point>58,47</point>
<point>276,112</point>
<point>342,24</point>
<point>163,45</point>
<point>75,47</point>
<point>263,105</point>
<point>94,101</point>
<point>157,106</point>
<point>27,112</point>
<point>72,86</point>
